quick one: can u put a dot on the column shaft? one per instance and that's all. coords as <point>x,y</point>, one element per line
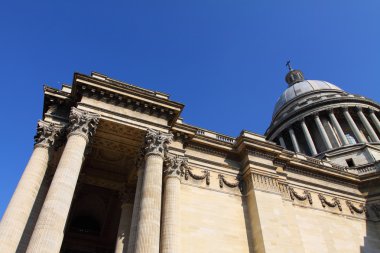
<point>170,234</point>
<point>282,142</point>
<point>136,212</point>
<point>375,120</point>
<point>309,140</point>
<point>48,233</point>
<point>148,230</point>
<point>17,213</point>
<point>171,216</point>
<point>323,133</point>
<point>124,228</point>
<point>32,221</point>
<point>338,128</point>
<point>367,126</point>
<point>359,136</point>
<point>294,140</point>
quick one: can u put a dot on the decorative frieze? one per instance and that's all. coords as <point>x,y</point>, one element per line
<point>284,190</point>
<point>205,175</point>
<point>353,209</point>
<point>306,195</point>
<point>156,142</point>
<point>48,134</point>
<point>261,154</point>
<point>266,183</point>
<point>207,150</point>
<point>319,176</point>
<point>333,203</point>
<point>82,123</point>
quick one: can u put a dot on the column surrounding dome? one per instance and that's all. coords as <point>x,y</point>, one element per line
<point>319,119</point>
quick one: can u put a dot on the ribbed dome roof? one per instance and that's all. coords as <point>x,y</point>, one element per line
<point>301,88</point>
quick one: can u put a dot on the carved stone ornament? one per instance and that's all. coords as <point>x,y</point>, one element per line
<point>206,175</point>
<point>83,123</point>
<point>353,209</point>
<point>48,134</point>
<point>306,195</point>
<point>333,203</point>
<point>237,183</point>
<point>175,166</point>
<point>157,142</point>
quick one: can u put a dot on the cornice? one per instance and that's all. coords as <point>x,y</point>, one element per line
<point>53,96</point>
<point>123,94</point>
<point>250,141</point>
<point>183,132</point>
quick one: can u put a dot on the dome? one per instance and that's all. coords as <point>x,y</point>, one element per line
<point>300,88</point>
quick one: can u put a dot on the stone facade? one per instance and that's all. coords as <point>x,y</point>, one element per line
<point>115,169</point>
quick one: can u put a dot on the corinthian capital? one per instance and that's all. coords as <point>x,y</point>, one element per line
<point>157,142</point>
<point>82,123</point>
<point>175,166</point>
<point>48,134</point>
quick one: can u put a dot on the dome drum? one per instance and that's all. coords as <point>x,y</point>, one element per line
<point>329,129</point>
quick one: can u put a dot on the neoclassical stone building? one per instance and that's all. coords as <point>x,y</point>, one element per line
<point>115,169</point>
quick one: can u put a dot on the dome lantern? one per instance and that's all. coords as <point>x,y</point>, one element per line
<point>294,76</point>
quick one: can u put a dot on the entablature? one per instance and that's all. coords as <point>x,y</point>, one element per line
<point>123,94</point>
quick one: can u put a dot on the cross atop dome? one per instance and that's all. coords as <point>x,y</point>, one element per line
<point>293,76</point>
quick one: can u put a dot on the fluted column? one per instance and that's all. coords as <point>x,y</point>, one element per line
<point>338,128</point>
<point>19,209</point>
<point>359,136</point>
<point>309,140</point>
<point>170,234</point>
<point>122,241</point>
<point>48,233</point>
<point>322,131</point>
<point>148,229</point>
<point>282,142</point>
<point>136,211</point>
<point>367,125</point>
<point>294,140</point>
<point>374,119</point>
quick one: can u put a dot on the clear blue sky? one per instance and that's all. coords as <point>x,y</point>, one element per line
<point>225,60</point>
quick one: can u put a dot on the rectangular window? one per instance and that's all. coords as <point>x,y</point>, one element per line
<point>350,162</point>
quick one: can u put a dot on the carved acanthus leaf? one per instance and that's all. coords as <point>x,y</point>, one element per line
<point>82,122</point>
<point>306,195</point>
<point>157,142</point>
<point>48,134</point>
<point>175,165</point>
